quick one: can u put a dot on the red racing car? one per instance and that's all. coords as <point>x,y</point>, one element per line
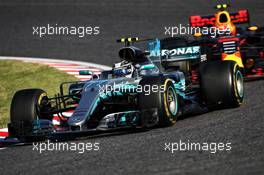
<point>241,42</point>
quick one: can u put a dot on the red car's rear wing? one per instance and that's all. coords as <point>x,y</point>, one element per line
<point>240,17</point>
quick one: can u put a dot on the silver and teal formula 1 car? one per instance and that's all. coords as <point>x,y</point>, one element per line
<point>141,91</point>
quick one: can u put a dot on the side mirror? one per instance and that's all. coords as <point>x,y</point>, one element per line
<point>253,28</point>
<point>87,72</point>
<point>147,66</point>
<point>197,35</point>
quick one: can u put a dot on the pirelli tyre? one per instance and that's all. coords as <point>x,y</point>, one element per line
<point>221,83</point>
<point>162,103</point>
<point>25,108</point>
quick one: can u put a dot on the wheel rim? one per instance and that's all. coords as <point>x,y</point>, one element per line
<point>172,101</point>
<point>42,99</point>
<point>239,83</point>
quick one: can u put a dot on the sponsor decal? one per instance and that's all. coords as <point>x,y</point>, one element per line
<point>181,53</point>
<point>200,21</point>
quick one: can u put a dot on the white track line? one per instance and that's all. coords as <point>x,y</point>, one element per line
<point>55,60</point>
<point>3,130</point>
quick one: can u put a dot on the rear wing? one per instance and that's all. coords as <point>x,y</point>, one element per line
<point>240,17</point>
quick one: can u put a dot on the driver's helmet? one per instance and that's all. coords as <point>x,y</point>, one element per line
<point>223,22</point>
<point>123,69</point>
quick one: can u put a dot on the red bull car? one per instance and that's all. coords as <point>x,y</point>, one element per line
<point>240,41</point>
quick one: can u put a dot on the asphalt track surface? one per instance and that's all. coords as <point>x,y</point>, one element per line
<point>143,152</point>
<point>116,18</point>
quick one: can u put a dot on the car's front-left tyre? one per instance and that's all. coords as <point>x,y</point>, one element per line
<point>25,108</point>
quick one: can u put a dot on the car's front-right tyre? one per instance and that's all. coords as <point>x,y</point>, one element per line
<point>163,102</point>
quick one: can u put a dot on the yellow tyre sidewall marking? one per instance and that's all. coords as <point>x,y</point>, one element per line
<point>40,97</point>
<point>165,100</point>
<point>235,84</point>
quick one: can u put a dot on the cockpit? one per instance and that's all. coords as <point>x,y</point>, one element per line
<point>134,62</point>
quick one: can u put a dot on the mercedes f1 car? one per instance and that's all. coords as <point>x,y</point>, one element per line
<point>241,40</point>
<point>145,89</point>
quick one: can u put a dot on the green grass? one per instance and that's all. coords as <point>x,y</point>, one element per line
<point>16,75</point>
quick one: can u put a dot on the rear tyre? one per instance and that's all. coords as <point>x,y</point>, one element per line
<point>165,100</point>
<point>221,83</point>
